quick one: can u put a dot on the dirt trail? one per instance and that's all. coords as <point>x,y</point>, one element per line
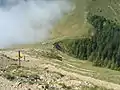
<point>43,62</point>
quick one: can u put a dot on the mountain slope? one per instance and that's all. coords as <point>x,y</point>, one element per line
<point>74,23</point>
<point>107,8</point>
<point>102,47</point>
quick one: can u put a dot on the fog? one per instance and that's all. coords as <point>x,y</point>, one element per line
<point>29,21</point>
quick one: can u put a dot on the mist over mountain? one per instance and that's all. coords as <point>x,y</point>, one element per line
<point>29,21</point>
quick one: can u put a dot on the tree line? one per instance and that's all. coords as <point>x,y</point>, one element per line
<point>103,49</point>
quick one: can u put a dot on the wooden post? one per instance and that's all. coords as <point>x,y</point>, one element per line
<point>24,58</point>
<point>19,58</point>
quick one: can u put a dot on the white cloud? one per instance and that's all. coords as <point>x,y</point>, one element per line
<point>28,22</point>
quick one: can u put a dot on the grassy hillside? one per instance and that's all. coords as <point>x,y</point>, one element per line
<point>103,47</point>
<point>73,24</point>
<point>107,8</point>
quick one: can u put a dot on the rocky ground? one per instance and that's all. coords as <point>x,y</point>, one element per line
<point>38,72</point>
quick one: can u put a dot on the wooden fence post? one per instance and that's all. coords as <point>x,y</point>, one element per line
<point>19,58</point>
